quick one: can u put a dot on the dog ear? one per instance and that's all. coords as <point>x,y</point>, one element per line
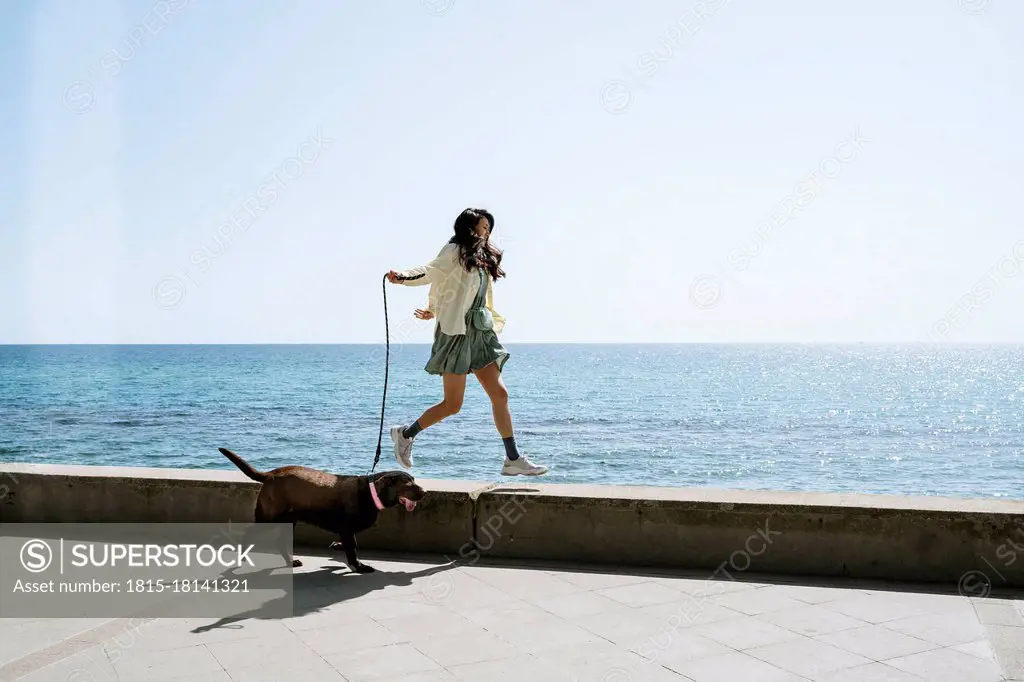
<point>387,487</point>
<point>387,480</point>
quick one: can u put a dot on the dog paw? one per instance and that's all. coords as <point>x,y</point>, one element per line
<point>296,563</point>
<point>337,545</point>
<point>363,568</point>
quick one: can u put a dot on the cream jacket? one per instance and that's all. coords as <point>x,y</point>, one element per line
<point>453,290</point>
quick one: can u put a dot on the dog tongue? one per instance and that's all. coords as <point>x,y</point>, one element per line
<point>409,504</point>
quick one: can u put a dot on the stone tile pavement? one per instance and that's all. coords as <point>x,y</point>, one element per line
<point>421,619</point>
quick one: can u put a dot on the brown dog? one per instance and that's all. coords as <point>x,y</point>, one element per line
<point>345,505</point>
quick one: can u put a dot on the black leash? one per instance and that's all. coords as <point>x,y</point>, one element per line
<point>387,364</point>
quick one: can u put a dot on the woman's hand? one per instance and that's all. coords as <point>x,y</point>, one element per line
<point>424,314</point>
<point>393,277</point>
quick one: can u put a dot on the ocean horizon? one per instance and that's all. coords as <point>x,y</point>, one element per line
<point>870,417</point>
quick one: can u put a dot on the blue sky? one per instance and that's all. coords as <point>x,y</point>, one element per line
<point>634,154</point>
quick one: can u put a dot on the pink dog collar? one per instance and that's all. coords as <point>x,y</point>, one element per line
<point>373,494</point>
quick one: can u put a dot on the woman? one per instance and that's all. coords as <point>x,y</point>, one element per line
<point>466,335</point>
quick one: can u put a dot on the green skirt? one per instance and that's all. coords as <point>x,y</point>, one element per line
<point>465,353</point>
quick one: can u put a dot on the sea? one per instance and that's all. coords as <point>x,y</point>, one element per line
<point>923,419</point>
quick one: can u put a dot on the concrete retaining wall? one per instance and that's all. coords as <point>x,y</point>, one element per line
<point>724,532</point>
<point>44,493</point>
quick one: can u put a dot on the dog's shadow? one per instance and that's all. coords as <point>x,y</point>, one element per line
<point>318,589</point>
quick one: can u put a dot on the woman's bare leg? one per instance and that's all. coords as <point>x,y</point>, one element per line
<point>494,386</point>
<point>454,392</point>
<point>515,464</point>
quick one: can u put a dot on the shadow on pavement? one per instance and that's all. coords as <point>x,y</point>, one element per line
<point>318,589</point>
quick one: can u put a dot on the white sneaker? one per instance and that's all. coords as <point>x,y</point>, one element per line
<point>522,467</point>
<point>403,447</point>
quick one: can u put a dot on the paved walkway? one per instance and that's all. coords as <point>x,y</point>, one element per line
<point>417,621</point>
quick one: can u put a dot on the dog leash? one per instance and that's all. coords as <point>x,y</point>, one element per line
<point>387,364</point>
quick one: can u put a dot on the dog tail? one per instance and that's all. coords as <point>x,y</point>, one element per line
<point>244,466</point>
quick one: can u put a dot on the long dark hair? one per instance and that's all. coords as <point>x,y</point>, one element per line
<point>476,251</point>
